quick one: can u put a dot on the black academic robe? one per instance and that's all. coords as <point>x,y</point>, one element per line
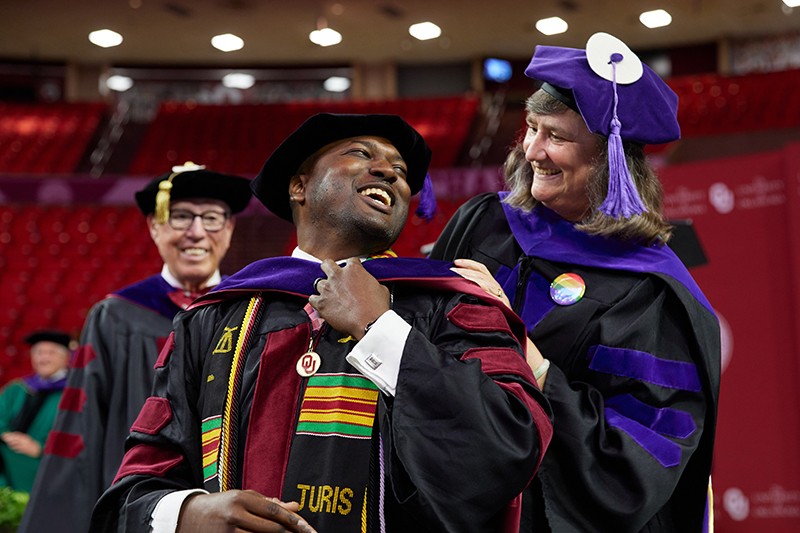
<point>634,379</point>
<point>450,451</point>
<point>110,378</point>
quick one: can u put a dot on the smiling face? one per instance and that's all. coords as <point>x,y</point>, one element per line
<point>561,151</point>
<point>48,357</point>
<point>350,198</point>
<point>194,254</point>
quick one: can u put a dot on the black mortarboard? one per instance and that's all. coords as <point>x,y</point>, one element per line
<point>58,337</point>
<point>192,181</point>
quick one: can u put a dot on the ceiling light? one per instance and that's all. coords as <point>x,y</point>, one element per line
<point>655,19</point>
<point>336,84</point>
<point>552,25</point>
<point>238,80</point>
<point>105,38</point>
<point>227,42</point>
<point>425,31</point>
<point>325,37</point>
<point>119,83</point>
<point>792,3</point>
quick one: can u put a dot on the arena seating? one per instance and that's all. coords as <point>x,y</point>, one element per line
<point>712,104</point>
<point>238,138</point>
<point>56,261</point>
<point>46,139</point>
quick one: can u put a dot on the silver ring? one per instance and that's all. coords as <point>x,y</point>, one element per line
<point>315,284</point>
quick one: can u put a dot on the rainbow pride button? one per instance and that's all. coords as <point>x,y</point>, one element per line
<point>567,289</point>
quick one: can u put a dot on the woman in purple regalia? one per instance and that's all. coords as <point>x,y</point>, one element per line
<point>623,343</point>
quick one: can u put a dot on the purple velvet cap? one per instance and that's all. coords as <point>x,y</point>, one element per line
<point>618,96</point>
<point>647,108</point>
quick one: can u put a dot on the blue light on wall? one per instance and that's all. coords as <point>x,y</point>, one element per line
<point>497,70</point>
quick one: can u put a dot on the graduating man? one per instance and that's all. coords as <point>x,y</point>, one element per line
<point>189,217</point>
<point>319,393</point>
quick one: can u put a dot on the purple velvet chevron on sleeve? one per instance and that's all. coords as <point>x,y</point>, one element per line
<point>665,420</point>
<point>645,367</point>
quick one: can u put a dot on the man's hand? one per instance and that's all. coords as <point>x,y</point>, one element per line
<point>236,510</point>
<point>350,298</point>
<point>22,443</point>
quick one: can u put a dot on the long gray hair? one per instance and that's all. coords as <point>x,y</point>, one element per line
<point>647,228</point>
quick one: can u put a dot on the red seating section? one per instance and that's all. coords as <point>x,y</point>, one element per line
<point>56,261</point>
<point>712,104</point>
<point>53,138</point>
<point>238,138</point>
<point>46,139</point>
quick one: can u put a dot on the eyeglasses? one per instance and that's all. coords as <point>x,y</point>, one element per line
<point>180,219</point>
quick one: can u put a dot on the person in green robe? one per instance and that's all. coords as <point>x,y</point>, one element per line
<point>28,408</point>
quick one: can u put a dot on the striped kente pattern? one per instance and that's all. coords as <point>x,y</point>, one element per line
<point>211,428</point>
<point>338,405</point>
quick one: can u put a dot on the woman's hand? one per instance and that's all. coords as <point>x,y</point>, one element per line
<point>480,275</point>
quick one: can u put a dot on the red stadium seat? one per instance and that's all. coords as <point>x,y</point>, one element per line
<point>46,139</point>
<point>80,254</point>
<point>238,138</point>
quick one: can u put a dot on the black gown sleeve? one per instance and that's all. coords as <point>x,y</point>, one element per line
<point>467,426</point>
<point>161,453</point>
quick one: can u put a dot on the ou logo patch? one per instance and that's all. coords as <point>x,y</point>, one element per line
<point>308,364</point>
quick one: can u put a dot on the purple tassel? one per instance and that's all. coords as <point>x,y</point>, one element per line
<point>622,199</point>
<point>427,200</point>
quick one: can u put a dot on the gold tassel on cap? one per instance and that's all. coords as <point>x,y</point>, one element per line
<point>162,199</point>
<point>165,187</point>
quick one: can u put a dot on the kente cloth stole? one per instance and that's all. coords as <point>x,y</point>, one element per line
<point>220,413</point>
<point>336,420</point>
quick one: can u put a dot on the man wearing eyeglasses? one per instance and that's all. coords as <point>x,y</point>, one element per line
<point>189,215</point>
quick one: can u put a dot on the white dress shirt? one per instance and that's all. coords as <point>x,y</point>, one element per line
<point>213,281</point>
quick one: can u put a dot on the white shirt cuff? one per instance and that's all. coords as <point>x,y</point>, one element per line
<point>378,354</point>
<point>165,515</point>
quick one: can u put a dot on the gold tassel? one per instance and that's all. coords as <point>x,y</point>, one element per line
<point>162,199</point>
<point>164,188</point>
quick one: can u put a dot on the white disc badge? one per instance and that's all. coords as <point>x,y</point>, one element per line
<point>599,49</point>
<point>308,364</point>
